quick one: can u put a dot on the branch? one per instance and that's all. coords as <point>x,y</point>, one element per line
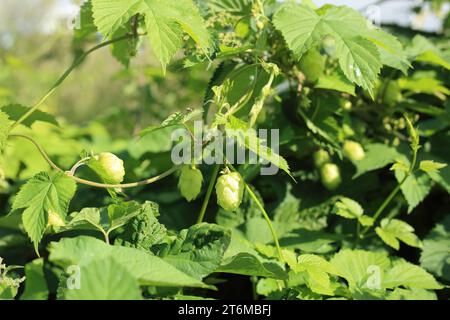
<point>69,70</point>
<point>93,183</point>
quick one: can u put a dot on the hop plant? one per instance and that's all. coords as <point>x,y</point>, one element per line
<point>320,158</point>
<point>353,150</point>
<point>229,190</point>
<point>111,166</point>
<point>54,220</point>
<point>190,182</point>
<point>330,176</point>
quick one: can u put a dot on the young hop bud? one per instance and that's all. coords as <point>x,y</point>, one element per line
<point>112,166</point>
<point>320,158</point>
<point>54,220</point>
<point>353,150</point>
<point>229,190</point>
<point>190,182</point>
<point>330,176</point>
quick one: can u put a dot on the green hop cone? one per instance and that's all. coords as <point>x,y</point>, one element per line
<point>330,176</point>
<point>320,158</point>
<point>229,190</point>
<point>54,220</point>
<point>353,150</point>
<point>190,182</point>
<point>112,166</point>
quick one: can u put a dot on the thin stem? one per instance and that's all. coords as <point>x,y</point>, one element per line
<point>92,183</point>
<point>69,70</point>
<point>385,204</point>
<point>40,149</point>
<point>208,193</point>
<point>77,165</point>
<point>269,223</point>
<point>393,192</point>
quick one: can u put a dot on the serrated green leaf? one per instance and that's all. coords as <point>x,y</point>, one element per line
<point>199,250</point>
<point>423,50</point>
<point>36,285</point>
<point>242,258</point>
<point>104,279</point>
<point>411,294</point>
<point>335,82</point>
<point>409,275</point>
<point>165,21</point>
<point>354,265</point>
<point>148,269</point>
<point>235,7</point>
<point>302,28</point>
<point>176,119</point>
<point>391,50</point>
<point>392,230</point>
<point>5,126</point>
<point>247,138</point>
<point>431,166</point>
<point>350,209</point>
<point>377,156</point>
<point>84,24</point>
<point>41,194</point>
<point>16,111</point>
<point>415,188</point>
<point>435,256</point>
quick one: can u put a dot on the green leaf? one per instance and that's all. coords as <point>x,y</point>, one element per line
<point>409,275</point>
<point>177,119</point>
<point>125,49</point>
<point>242,258</point>
<point>5,126</point>
<point>302,28</point>
<point>377,156</point>
<point>16,111</point>
<point>144,230</point>
<point>89,216</point>
<point>148,269</point>
<point>165,21</point>
<point>425,85</point>
<point>317,269</point>
<point>354,265</point>
<point>104,279</point>
<point>308,241</point>
<point>84,26</point>
<point>36,284</point>
<point>416,187</point>
<point>393,230</point>
<point>391,50</point>
<point>423,50</point>
<point>247,138</point>
<point>411,294</point>
<point>351,209</point>
<point>435,256</point>
<point>335,82</point>
<point>199,250</point>
<point>41,194</point>
<point>235,7</point>
<point>431,166</point>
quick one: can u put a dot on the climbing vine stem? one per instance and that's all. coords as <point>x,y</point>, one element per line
<point>93,183</point>
<point>66,73</point>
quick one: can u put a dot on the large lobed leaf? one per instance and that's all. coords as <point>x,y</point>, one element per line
<point>41,194</point>
<point>360,47</point>
<point>165,22</point>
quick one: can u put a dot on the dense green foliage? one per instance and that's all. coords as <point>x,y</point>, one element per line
<point>358,210</point>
